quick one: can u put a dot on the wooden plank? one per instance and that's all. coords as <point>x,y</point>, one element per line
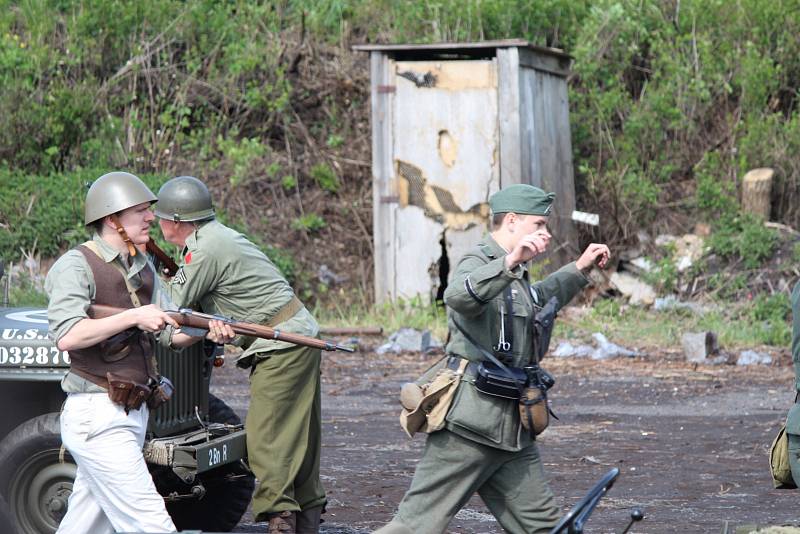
<point>547,136</point>
<point>382,178</point>
<point>530,114</point>
<point>508,112</point>
<point>557,65</point>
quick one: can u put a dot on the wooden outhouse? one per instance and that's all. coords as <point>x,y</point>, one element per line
<point>451,124</point>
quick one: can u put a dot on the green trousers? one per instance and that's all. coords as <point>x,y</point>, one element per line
<point>452,469</point>
<point>284,432</point>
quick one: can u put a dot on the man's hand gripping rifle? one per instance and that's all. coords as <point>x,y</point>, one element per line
<point>190,319</point>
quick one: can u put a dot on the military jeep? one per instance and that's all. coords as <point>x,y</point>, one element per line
<point>195,447</point>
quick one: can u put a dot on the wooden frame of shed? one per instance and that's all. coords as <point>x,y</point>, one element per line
<point>453,123</point>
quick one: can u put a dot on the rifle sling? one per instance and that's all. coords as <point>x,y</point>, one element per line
<point>286,312</point>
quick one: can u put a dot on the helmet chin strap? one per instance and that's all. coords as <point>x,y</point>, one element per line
<point>124,235</point>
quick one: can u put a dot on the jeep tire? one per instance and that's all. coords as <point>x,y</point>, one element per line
<point>33,479</point>
<point>229,488</point>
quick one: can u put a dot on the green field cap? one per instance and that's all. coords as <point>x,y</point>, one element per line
<point>522,199</point>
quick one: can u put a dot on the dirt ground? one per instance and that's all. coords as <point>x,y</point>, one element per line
<point>690,441</point>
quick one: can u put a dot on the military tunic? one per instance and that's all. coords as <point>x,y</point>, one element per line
<point>224,273</point>
<point>793,419</point>
<point>483,448</point>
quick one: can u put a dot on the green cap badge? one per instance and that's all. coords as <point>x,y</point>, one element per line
<point>522,199</point>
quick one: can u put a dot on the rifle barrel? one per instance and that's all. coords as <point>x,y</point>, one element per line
<point>200,320</point>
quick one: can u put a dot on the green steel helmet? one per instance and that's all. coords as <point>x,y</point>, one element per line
<point>114,192</point>
<point>184,199</point>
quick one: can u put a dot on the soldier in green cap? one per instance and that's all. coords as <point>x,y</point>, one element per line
<point>113,490</point>
<point>482,447</point>
<point>223,272</point>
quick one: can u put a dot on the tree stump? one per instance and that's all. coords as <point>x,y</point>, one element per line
<point>756,189</point>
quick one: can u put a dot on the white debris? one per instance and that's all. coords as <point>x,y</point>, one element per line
<point>637,291</point>
<point>602,350</point>
<point>751,357</point>
<point>565,349</point>
<point>645,264</point>
<point>411,340</point>
<point>688,250</point>
<point>605,349</point>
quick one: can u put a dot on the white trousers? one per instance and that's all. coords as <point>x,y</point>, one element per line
<point>113,490</point>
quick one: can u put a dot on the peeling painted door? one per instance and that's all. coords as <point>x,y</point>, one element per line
<point>445,149</point>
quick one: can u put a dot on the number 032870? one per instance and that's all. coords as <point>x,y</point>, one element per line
<point>33,356</point>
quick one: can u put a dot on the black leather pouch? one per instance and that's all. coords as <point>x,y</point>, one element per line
<point>490,379</point>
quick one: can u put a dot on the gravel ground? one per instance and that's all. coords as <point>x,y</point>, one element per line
<point>690,441</point>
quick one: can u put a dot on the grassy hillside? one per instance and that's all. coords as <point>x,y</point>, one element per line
<point>671,102</point>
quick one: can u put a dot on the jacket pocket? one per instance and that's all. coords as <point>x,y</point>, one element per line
<point>793,420</point>
<point>478,413</point>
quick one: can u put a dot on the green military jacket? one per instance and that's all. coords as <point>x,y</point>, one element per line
<point>793,419</point>
<point>224,273</point>
<point>475,296</point>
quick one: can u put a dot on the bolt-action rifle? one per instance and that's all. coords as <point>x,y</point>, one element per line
<point>190,319</point>
<point>166,262</point>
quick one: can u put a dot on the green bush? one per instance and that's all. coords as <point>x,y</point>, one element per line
<point>771,315</point>
<point>310,222</point>
<point>744,238</point>
<point>325,177</point>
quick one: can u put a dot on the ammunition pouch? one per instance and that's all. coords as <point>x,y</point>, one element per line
<point>491,379</point>
<point>534,414</point>
<point>161,393</point>
<point>126,393</point>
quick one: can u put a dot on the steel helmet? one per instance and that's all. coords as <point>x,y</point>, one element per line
<point>184,199</point>
<point>114,192</point>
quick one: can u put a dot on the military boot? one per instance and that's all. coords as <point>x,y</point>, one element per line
<point>308,520</point>
<point>282,522</point>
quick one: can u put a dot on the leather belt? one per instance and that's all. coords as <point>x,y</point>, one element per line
<point>286,312</point>
<point>94,379</point>
<point>98,380</point>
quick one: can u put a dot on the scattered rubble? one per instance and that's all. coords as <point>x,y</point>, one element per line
<point>328,277</point>
<point>606,349</point>
<point>671,302</point>
<point>602,350</point>
<point>689,249</point>
<point>565,349</point>
<point>702,347</point>
<point>637,291</point>
<point>411,340</point>
<point>752,357</point>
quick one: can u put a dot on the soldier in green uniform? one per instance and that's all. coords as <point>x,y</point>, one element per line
<point>223,272</point>
<point>482,447</point>
<point>793,419</point>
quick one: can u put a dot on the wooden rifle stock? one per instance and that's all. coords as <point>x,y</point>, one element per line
<point>193,319</point>
<point>167,263</point>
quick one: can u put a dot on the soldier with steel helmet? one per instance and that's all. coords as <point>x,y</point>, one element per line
<point>101,426</point>
<point>223,272</point>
